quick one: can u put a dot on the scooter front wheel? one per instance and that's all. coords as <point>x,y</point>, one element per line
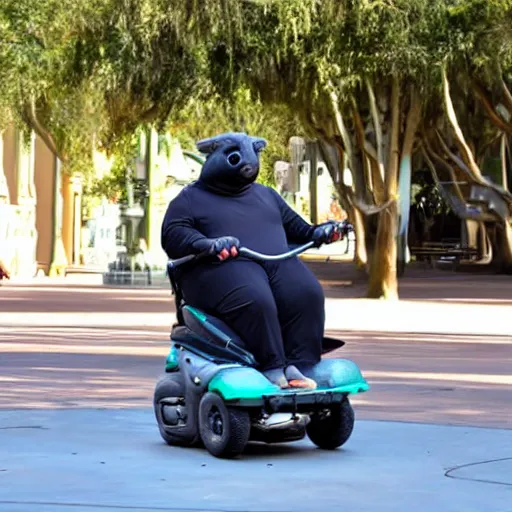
<point>334,429</point>
<point>224,430</point>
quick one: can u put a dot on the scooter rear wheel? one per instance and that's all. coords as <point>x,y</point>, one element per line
<point>332,431</point>
<point>171,385</point>
<point>224,430</point>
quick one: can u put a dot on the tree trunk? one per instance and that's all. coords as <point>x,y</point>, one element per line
<point>503,247</point>
<point>378,184</point>
<point>383,281</point>
<point>411,125</point>
<point>360,253</point>
<point>503,156</point>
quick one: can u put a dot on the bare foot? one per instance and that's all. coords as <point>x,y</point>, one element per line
<point>297,380</point>
<point>303,384</point>
<point>277,377</point>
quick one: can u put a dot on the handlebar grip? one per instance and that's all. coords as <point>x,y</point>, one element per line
<point>180,261</point>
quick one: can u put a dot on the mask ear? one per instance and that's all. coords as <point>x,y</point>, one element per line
<point>258,144</point>
<point>208,146</point>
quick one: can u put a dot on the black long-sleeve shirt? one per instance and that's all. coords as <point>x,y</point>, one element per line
<point>259,217</point>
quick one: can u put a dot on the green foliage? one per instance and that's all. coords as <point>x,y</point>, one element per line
<point>113,186</point>
<point>37,47</point>
<point>426,197</point>
<point>92,72</point>
<point>211,114</point>
<point>290,50</point>
<point>145,70</point>
<point>95,71</point>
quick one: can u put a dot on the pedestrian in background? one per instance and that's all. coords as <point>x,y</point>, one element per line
<point>4,272</point>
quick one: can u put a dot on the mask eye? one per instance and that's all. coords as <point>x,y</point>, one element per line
<point>234,158</point>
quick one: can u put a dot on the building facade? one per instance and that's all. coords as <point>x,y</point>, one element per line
<point>41,226</point>
<point>40,208</point>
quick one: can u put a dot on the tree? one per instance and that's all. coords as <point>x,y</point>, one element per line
<point>474,117</point>
<point>37,50</point>
<point>89,74</point>
<point>367,79</point>
<point>380,85</point>
<point>356,72</point>
<point>34,53</point>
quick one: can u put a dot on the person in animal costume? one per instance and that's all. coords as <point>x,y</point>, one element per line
<point>277,308</point>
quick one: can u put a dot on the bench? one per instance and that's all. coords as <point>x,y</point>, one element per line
<point>443,251</point>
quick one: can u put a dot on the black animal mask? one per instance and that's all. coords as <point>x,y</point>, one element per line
<point>232,161</point>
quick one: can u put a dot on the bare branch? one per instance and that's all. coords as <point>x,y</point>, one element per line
<point>455,159</point>
<point>448,167</point>
<point>490,110</point>
<point>404,181</point>
<point>391,178</point>
<point>452,118</point>
<point>370,151</point>
<point>457,203</point>
<point>341,125</point>
<point>378,188</point>
<point>362,206</point>
<point>367,209</point>
<point>507,94</point>
<point>490,143</point>
<point>32,120</point>
<point>507,196</point>
<point>362,142</point>
<point>377,127</point>
<point>411,124</point>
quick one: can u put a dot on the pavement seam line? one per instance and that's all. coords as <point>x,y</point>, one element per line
<point>121,507</point>
<point>462,466</point>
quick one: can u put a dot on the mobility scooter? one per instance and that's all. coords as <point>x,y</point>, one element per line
<point>213,395</point>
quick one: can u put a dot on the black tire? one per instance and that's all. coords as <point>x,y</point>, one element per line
<point>170,385</point>
<point>223,430</point>
<point>332,431</point>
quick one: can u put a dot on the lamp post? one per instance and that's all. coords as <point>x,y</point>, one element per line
<point>133,211</point>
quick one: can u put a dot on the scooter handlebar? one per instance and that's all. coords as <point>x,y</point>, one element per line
<point>244,251</point>
<point>249,253</point>
<point>181,261</point>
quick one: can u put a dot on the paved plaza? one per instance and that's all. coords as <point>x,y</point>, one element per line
<point>78,363</point>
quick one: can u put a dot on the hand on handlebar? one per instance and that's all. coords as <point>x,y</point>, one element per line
<point>329,232</point>
<point>223,247</point>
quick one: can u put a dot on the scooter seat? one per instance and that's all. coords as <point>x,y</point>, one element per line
<point>210,337</point>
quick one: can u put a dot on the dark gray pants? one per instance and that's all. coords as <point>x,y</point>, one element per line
<point>276,308</point>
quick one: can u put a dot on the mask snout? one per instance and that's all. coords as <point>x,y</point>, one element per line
<point>249,171</point>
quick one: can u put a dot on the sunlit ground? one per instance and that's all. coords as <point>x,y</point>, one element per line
<point>444,359</point>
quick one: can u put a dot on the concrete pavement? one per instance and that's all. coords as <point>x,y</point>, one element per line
<point>448,379</point>
<point>78,365</point>
<point>86,460</point>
